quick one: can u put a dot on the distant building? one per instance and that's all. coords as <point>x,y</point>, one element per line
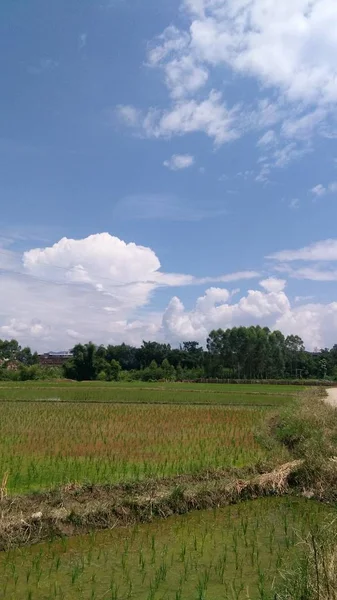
<point>54,359</point>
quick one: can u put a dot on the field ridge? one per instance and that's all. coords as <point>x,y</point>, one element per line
<point>77,509</point>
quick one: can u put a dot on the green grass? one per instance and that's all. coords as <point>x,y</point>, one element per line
<point>233,553</point>
<point>159,393</point>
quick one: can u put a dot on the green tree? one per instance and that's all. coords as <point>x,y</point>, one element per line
<point>102,376</point>
<point>179,373</point>
<point>323,368</point>
<point>115,370</point>
<point>83,366</point>
<point>152,351</point>
<point>167,370</point>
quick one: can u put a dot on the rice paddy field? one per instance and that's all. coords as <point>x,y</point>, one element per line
<point>150,393</point>
<point>53,434</point>
<point>44,445</point>
<point>234,553</point>
<point>59,433</point>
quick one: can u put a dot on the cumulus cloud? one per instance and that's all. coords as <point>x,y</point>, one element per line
<point>214,310</point>
<point>91,288</point>
<point>272,284</point>
<point>179,161</point>
<point>101,288</point>
<point>315,323</point>
<point>102,261</point>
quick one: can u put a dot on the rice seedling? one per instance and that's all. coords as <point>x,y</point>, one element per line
<point>164,559</point>
<point>156,393</point>
<point>44,445</point>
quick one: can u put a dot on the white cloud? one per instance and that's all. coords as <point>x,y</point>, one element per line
<point>310,273</point>
<point>100,288</point>
<point>325,250</point>
<point>98,260</point>
<point>289,45</point>
<point>302,298</point>
<point>183,74</point>
<point>264,173</point>
<point>213,310</point>
<point>321,190</point>
<point>286,47</point>
<point>272,284</point>
<point>92,288</point>
<point>171,41</point>
<point>268,138</point>
<point>179,161</point>
<point>286,154</point>
<point>303,127</point>
<point>308,261</point>
<point>209,116</point>
<point>130,115</point>
<point>315,323</point>
<point>318,190</point>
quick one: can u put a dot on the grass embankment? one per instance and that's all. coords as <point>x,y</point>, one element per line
<point>310,432</point>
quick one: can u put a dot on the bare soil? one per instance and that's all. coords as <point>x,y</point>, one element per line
<point>332,396</point>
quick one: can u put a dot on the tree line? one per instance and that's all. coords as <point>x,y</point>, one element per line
<point>237,353</point>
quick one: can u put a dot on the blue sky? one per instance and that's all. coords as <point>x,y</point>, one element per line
<point>201,130</point>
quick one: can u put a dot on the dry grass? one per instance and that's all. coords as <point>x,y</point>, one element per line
<point>3,488</point>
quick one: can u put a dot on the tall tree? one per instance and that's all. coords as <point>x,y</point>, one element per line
<point>83,366</point>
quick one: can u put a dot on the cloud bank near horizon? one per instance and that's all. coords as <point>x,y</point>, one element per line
<point>100,288</point>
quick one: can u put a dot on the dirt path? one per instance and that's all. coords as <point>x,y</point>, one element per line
<point>332,396</point>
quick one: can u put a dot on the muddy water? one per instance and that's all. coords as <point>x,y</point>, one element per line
<point>232,552</point>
